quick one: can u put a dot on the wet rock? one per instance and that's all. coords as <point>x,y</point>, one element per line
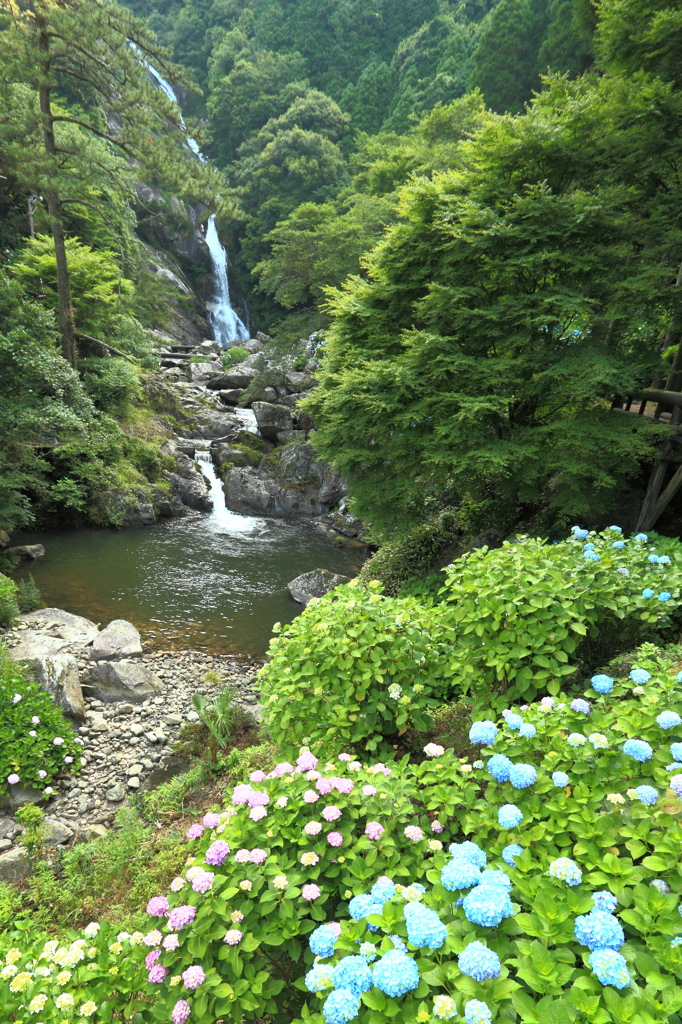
<point>28,552</point>
<point>13,865</point>
<point>214,423</point>
<point>119,639</point>
<point>272,419</point>
<point>203,371</point>
<point>291,481</point>
<point>291,436</point>
<point>172,766</point>
<point>232,396</point>
<point>123,680</point>
<point>58,676</point>
<point>237,377</point>
<point>314,584</point>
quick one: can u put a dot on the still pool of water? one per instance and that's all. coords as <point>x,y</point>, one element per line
<point>214,582</point>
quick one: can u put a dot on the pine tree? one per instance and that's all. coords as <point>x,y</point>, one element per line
<point>97,54</point>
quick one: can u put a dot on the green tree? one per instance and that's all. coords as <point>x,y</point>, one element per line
<point>506,59</point>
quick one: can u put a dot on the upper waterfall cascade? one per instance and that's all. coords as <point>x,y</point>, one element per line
<point>227,325</point>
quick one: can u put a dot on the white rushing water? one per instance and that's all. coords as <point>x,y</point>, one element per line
<point>220,519</point>
<point>227,325</point>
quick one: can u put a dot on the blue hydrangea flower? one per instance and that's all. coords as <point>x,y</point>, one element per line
<point>604,900</point>
<point>511,851</point>
<point>618,544</point>
<point>475,1011</point>
<point>322,941</point>
<point>319,978</point>
<point>479,962</point>
<point>362,906</point>
<point>424,927</point>
<point>602,683</point>
<point>493,876</point>
<point>352,973</point>
<point>478,764</point>
<point>647,795</point>
<point>566,870</point>
<point>647,593</point>
<point>470,851</point>
<point>499,767</point>
<point>580,534</point>
<point>664,596</point>
<point>676,751</point>
<point>614,529</point>
<point>591,556</point>
<point>522,775</point>
<point>580,705</point>
<point>669,720</point>
<point>609,967</point>
<point>382,890</point>
<point>560,779</point>
<point>576,739</point>
<point>679,677</point>
<point>527,730</point>
<point>676,942</point>
<point>588,547</point>
<point>509,816</point>
<point>598,930</point>
<point>676,766</point>
<point>487,905</point>
<point>513,720</point>
<point>638,749</point>
<point>643,537</point>
<point>663,560</point>
<point>460,873</point>
<point>340,1006</point>
<point>640,676</point>
<point>660,884</point>
<point>483,733</point>
<point>653,559</point>
<point>396,974</point>
<point>398,943</point>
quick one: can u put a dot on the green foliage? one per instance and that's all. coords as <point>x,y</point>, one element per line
<point>35,759</point>
<point>366,667</point>
<point>9,607</point>
<point>28,596</point>
<point>398,562</point>
<point>34,829</point>
<point>232,356</point>
<point>111,383</point>
<point>224,719</point>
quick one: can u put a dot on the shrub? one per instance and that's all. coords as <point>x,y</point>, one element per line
<point>29,597</point>
<point>224,720</point>
<point>9,609</point>
<point>355,668</point>
<point>30,725</point>
<point>233,356</point>
<point>528,614</point>
<point>111,383</point>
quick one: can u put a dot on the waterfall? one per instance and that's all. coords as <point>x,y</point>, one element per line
<point>225,322</point>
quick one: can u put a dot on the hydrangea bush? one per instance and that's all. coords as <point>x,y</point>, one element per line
<point>36,741</point>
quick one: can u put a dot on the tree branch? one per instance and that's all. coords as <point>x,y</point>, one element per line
<point>95,131</point>
<point>107,346</point>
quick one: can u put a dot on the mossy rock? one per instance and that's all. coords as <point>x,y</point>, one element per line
<point>245,439</point>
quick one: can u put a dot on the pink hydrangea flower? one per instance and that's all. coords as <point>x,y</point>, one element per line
<point>193,976</point>
<point>158,973</point>
<point>413,832</point>
<point>211,820</point>
<point>256,813</point>
<point>177,884</point>
<point>336,928</point>
<point>344,757</point>
<point>313,828</point>
<point>257,776</point>
<point>217,852</point>
<point>310,892</point>
<point>437,826</point>
<point>233,936</point>
<point>157,906</point>
<point>151,958</point>
<point>13,779</point>
<point>343,785</point>
<point>242,793</point>
<point>258,856</point>
<point>171,941</point>
<point>354,766</point>
<point>335,839</point>
<point>258,798</point>
<point>374,830</point>
<point>242,856</point>
<point>283,768</point>
<point>153,938</point>
<point>310,796</point>
<point>203,882</point>
<point>180,917</point>
<point>331,813</point>
<point>324,786</point>
<point>181,1012</point>
<point>195,831</point>
<point>380,769</point>
<point>369,790</point>
<point>305,761</point>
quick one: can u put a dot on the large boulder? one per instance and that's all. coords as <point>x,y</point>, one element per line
<point>58,676</point>
<point>202,371</point>
<point>4,539</point>
<point>215,423</point>
<point>118,640</point>
<point>13,865</point>
<point>190,485</point>
<point>130,507</point>
<point>314,584</point>
<point>237,377</point>
<point>58,832</point>
<point>123,680</point>
<point>29,552</point>
<point>289,481</point>
<point>272,419</point>
<point>59,625</point>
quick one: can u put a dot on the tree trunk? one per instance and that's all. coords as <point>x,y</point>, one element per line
<point>69,347</point>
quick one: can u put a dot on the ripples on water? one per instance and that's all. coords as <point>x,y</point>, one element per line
<point>215,582</point>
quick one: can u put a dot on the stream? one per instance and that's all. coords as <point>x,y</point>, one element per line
<point>214,581</point>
